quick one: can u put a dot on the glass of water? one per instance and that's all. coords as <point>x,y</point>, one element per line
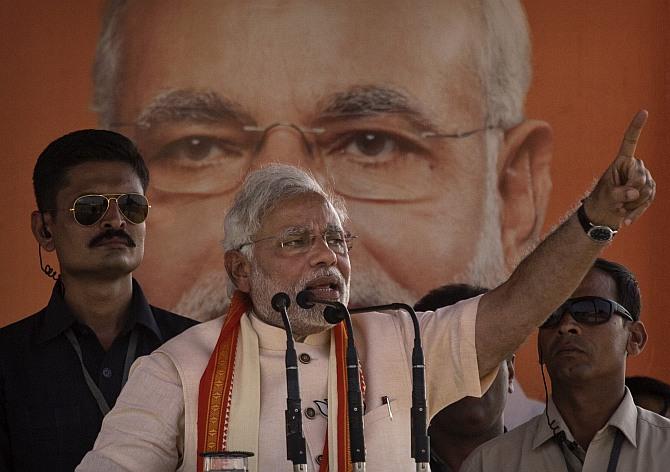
<point>226,461</point>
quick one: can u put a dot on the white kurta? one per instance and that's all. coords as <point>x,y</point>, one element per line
<point>153,425</point>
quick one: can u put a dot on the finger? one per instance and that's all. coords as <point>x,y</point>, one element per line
<point>623,195</point>
<point>647,192</point>
<point>635,214</point>
<point>632,134</point>
<point>647,195</point>
<point>636,173</point>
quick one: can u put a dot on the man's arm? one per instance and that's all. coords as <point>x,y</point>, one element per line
<point>551,273</point>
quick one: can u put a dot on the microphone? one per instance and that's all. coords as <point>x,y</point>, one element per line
<point>419,429</point>
<point>334,313</point>
<point>280,302</point>
<point>295,439</point>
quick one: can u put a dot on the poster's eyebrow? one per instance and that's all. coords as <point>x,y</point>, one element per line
<point>190,105</point>
<point>373,100</point>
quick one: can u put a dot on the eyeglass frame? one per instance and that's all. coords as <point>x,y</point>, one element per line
<point>347,237</point>
<point>108,197</point>
<point>557,315</point>
<point>319,130</point>
<point>309,144</point>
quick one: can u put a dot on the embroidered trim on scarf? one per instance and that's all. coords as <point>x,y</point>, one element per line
<point>217,382</point>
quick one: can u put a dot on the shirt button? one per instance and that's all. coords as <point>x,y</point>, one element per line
<point>319,459</point>
<point>310,413</point>
<point>106,372</point>
<point>304,358</point>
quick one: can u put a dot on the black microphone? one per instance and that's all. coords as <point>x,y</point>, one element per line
<point>334,311</point>
<point>295,439</point>
<point>337,312</point>
<point>280,302</point>
<point>419,428</point>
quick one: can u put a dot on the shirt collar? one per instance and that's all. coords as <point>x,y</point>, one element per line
<point>58,317</point>
<point>140,312</point>
<point>624,419</point>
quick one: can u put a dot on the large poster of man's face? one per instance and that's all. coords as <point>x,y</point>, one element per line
<point>413,114</point>
<point>417,115</point>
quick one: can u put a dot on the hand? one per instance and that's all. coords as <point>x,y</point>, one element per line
<point>626,189</point>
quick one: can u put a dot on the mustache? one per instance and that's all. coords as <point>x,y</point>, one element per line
<point>324,272</point>
<point>111,234</point>
<point>572,343</point>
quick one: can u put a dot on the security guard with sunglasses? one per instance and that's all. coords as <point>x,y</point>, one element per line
<point>591,422</point>
<point>62,368</point>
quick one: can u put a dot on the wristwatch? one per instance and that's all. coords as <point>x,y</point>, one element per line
<point>598,233</point>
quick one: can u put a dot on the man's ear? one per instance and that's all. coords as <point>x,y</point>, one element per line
<point>239,269</point>
<point>524,183</point>
<point>510,373</point>
<point>637,338</point>
<point>39,224</point>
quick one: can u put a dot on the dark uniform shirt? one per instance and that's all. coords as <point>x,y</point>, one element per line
<point>49,418</point>
<point>437,464</point>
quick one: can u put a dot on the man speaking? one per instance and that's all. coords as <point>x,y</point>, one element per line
<point>219,386</point>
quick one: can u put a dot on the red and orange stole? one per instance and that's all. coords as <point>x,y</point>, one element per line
<point>216,387</point>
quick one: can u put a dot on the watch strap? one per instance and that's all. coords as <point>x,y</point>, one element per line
<point>599,233</point>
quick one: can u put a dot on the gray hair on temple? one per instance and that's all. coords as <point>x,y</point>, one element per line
<point>262,190</point>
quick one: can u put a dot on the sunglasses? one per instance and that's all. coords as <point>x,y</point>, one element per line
<point>587,311</point>
<point>89,209</point>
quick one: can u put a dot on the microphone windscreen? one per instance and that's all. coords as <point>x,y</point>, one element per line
<point>280,301</point>
<point>304,299</point>
<point>333,315</point>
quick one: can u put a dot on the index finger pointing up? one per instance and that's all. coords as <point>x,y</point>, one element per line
<point>629,142</point>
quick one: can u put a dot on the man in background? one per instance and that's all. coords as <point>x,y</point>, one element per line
<point>62,368</point>
<point>590,422</point>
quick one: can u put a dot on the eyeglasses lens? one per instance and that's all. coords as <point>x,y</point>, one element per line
<point>591,312</point>
<point>89,209</point>
<point>134,207</point>
<point>588,312</point>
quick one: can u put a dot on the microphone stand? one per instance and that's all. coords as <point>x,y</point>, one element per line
<point>419,429</point>
<point>295,440</point>
<point>334,313</point>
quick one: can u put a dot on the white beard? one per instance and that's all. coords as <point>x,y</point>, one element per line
<point>303,322</point>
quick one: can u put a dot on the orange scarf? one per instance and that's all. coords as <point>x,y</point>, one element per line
<point>216,386</point>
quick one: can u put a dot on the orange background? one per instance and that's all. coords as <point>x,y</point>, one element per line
<point>595,63</point>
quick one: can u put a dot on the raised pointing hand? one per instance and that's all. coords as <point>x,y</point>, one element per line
<point>626,189</point>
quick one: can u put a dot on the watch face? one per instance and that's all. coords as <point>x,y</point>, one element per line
<point>601,233</point>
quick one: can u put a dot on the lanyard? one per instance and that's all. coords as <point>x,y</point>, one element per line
<point>616,451</point>
<point>95,391</point>
<point>569,461</point>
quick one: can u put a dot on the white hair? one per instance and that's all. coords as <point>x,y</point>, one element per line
<point>107,65</point>
<point>503,60</point>
<point>262,190</point>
